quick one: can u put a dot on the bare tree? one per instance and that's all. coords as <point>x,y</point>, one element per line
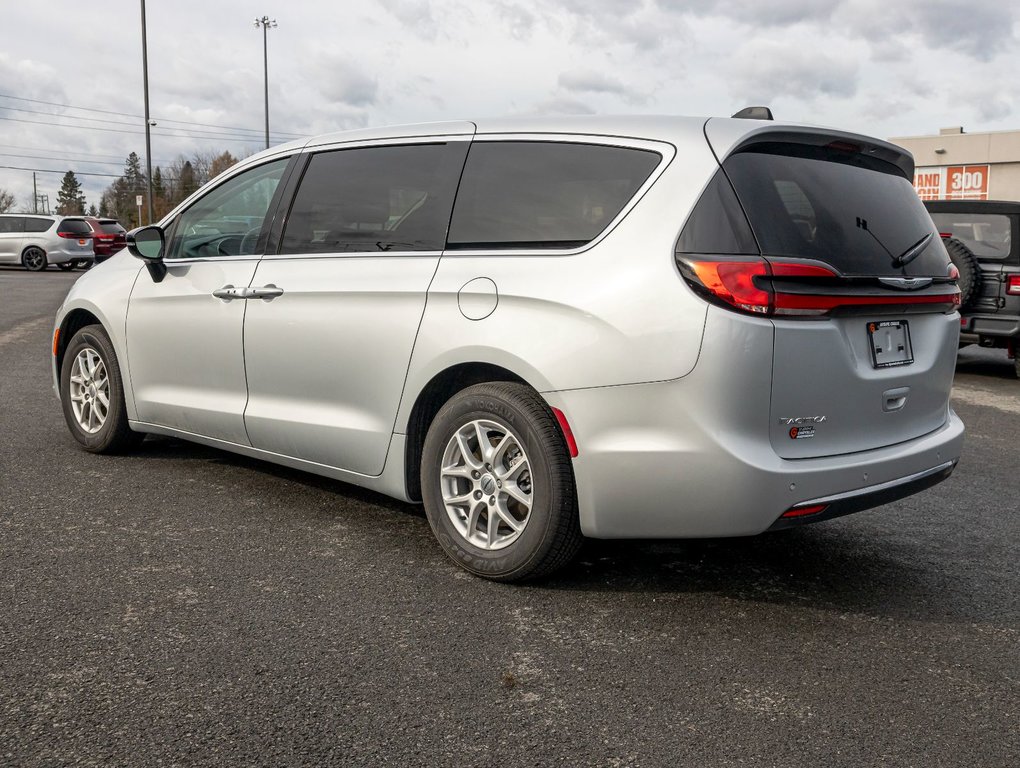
<point>6,201</point>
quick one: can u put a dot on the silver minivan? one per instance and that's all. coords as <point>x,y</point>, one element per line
<point>543,329</point>
<point>37,240</point>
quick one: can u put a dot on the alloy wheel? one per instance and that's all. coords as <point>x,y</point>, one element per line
<point>89,391</point>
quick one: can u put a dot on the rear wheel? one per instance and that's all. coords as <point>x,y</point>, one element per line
<point>34,259</point>
<point>498,484</point>
<point>92,394</point>
<point>970,271</point>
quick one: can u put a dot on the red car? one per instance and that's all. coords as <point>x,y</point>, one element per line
<point>108,237</point>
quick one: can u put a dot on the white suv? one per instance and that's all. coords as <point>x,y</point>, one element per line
<point>543,329</point>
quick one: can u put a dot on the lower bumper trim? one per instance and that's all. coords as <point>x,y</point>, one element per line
<point>866,498</point>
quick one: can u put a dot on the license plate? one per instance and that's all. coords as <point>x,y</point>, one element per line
<point>890,343</point>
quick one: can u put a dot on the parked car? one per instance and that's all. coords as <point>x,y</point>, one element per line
<point>107,236</point>
<point>543,329</point>
<point>983,240</point>
<point>35,240</point>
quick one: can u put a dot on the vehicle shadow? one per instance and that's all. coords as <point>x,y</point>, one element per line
<point>980,361</point>
<point>850,566</point>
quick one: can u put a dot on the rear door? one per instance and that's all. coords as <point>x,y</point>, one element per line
<point>327,346</point>
<point>865,328</point>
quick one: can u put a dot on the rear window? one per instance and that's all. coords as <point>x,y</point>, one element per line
<point>37,225</point>
<point>988,235</point>
<point>544,194</point>
<point>111,228</point>
<point>855,213</point>
<point>75,227</point>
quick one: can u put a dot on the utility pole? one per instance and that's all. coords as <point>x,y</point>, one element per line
<point>35,195</point>
<point>148,122</point>
<point>265,22</point>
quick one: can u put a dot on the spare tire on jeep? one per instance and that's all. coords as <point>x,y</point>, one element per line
<point>970,271</point>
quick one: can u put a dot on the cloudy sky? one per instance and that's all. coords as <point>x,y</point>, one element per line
<point>883,67</point>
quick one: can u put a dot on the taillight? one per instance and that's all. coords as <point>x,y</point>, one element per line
<point>733,282</point>
<point>1013,285</point>
<point>790,289</point>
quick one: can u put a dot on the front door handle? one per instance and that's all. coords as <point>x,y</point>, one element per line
<point>229,293</point>
<point>266,292</point>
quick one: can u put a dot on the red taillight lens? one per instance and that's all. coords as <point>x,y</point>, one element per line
<point>954,273</point>
<point>1013,285</point>
<point>733,282</point>
<point>813,509</point>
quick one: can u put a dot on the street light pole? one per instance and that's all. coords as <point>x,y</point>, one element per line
<point>148,122</point>
<point>265,22</point>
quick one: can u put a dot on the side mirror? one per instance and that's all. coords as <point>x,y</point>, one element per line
<point>147,243</point>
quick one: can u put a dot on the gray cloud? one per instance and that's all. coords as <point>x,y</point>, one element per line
<point>765,70</point>
<point>560,105</point>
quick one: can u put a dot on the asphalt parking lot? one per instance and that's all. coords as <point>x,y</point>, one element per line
<point>185,606</point>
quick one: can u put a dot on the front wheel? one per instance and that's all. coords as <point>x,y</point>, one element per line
<point>498,485</point>
<point>34,259</point>
<point>92,394</point>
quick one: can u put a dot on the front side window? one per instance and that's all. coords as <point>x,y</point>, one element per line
<point>521,194</point>
<point>228,220</point>
<point>392,198</point>
<point>37,225</point>
<point>988,235</point>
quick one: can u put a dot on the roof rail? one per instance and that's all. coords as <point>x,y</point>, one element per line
<point>754,113</point>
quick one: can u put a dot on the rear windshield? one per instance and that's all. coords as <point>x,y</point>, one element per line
<point>519,194</point>
<point>855,213</point>
<point>75,227</point>
<point>988,235</point>
<point>111,228</point>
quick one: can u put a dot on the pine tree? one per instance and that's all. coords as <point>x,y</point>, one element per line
<point>93,211</point>
<point>70,199</point>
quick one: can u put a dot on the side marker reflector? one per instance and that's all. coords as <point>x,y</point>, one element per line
<point>56,341</point>
<point>568,434</point>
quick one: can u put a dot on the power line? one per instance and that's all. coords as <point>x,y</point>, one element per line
<point>140,117</point>
<point>182,135</point>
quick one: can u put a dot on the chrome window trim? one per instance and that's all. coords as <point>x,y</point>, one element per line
<point>390,142</point>
<point>354,255</point>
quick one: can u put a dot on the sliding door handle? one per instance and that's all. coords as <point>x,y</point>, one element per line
<point>266,292</point>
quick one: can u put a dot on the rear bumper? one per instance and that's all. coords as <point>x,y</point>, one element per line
<point>651,464</point>
<point>973,327</point>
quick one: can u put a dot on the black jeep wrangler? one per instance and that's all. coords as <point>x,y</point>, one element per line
<point>983,240</point>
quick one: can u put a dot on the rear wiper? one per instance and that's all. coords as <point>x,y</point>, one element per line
<point>913,251</point>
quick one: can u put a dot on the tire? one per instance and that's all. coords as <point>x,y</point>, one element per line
<point>89,371</point>
<point>970,271</point>
<point>67,266</point>
<point>526,446</point>
<point>33,259</point>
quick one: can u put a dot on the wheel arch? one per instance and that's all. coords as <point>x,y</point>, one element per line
<point>71,323</point>
<point>439,389</point>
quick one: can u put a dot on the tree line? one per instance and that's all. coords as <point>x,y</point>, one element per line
<point>169,187</point>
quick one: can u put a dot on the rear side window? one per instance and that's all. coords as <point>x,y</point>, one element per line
<point>855,213</point>
<point>75,227</point>
<point>393,198</point>
<point>988,235</point>
<point>544,194</point>
<point>37,225</point>
<point>11,224</point>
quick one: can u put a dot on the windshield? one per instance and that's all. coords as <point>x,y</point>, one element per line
<point>855,213</point>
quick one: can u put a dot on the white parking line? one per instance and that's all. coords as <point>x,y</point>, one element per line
<point>19,332</point>
<point>984,397</point>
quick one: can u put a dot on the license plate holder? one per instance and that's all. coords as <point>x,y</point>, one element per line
<point>890,343</point>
